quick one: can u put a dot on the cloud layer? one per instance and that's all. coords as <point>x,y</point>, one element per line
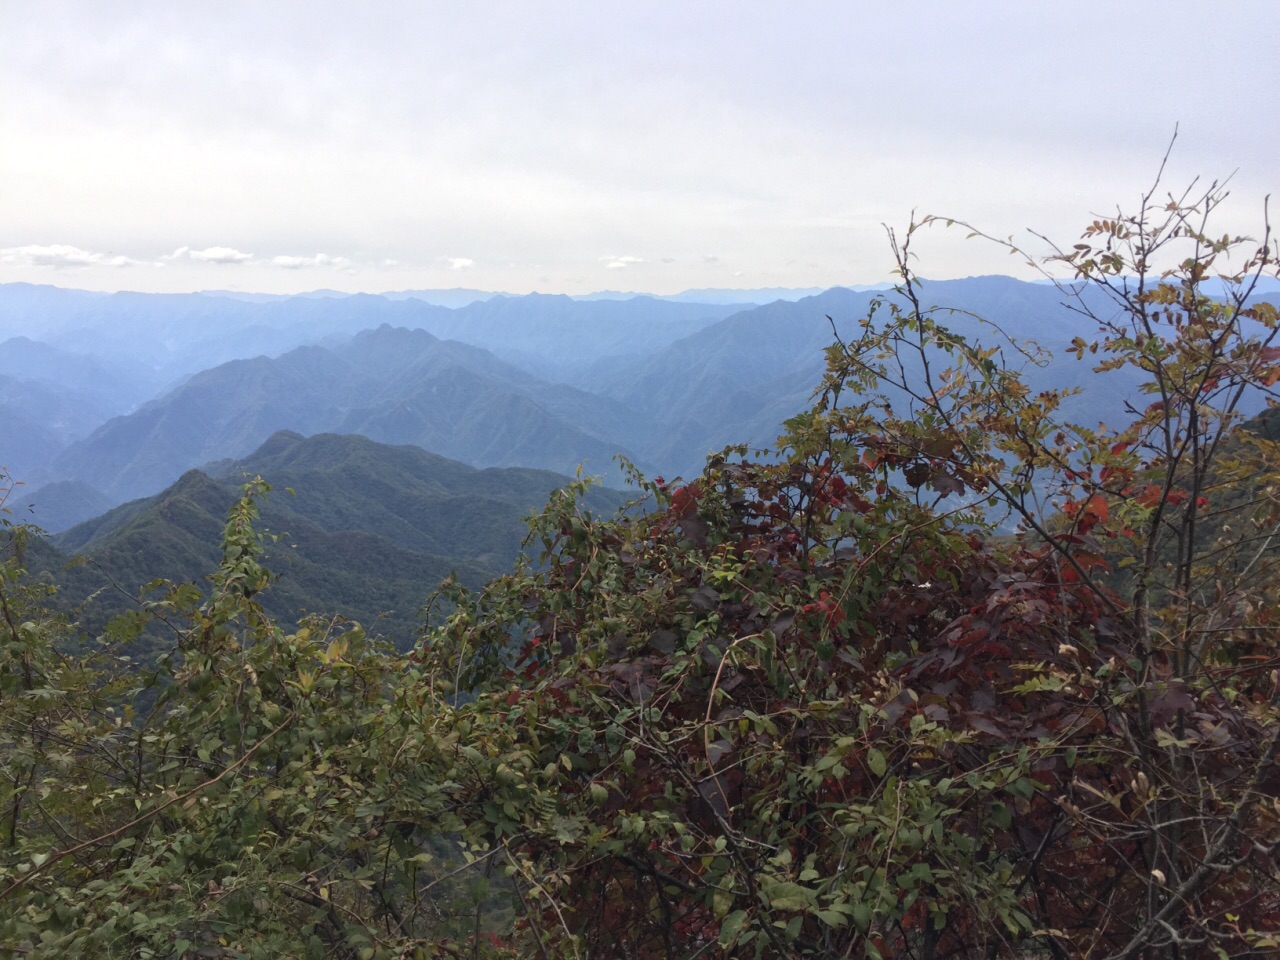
<point>61,256</point>
<point>210,255</point>
<point>620,263</point>
<point>317,260</point>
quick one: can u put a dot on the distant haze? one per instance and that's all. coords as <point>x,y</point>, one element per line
<point>574,147</point>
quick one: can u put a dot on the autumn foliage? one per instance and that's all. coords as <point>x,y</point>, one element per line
<point>820,705</point>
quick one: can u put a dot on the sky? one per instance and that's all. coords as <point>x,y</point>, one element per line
<point>570,147</point>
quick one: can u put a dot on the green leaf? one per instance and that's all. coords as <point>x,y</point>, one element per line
<point>721,902</point>
<point>862,917</point>
<point>730,927</point>
<point>876,762</point>
<point>787,895</point>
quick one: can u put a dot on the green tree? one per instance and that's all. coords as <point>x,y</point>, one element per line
<point>276,795</point>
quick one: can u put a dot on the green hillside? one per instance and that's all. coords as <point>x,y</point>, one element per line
<point>366,530</point>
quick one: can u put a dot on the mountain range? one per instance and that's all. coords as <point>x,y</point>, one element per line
<point>108,398</point>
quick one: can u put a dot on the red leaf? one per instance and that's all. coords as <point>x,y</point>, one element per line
<point>1148,496</point>
<point>1088,560</point>
<point>685,500</point>
<point>1097,505</point>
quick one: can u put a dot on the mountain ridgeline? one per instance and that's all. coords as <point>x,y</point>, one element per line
<point>355,528</point>
<point>127,392</point>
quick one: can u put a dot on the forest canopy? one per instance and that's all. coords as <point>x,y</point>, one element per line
<point>943,675</point>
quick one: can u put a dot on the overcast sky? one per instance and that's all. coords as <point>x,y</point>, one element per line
<point>572,147</point>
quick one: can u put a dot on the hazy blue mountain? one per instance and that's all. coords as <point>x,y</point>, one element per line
<point>742,298</point>
<point>736,380</point>
<point>106,388</point>
<point>39,418</point>
<point>59,505</point>
<point>32,309</point>
<point>663,382</point>
<point>226,411</point>
<point>415,372</point>
<point>246,296</point>
<point>462,414</point>
<point>51,397</point>
<point>390,384</point>
<point>452,297</point>
<point>553,336</point>
<point>250,297</point>
<point>27,443</point>
<point>175,335</point>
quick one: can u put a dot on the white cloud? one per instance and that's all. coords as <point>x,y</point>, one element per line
<point>210,255</point>
<point>61,256</point>
<point>319,260</point>
<point>460,263</point>
<point>620,263</point>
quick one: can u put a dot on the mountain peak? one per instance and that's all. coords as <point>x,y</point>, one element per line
<point>279,442</point>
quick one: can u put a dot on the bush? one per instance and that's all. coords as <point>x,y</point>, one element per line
<point>817,707</point>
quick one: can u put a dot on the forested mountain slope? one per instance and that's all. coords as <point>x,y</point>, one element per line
<point>368,529</point>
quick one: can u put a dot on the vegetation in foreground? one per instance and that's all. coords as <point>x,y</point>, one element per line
<point>804,707</point>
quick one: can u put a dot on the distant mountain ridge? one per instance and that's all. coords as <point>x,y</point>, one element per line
<point>390,384</point>
<point>59,505</point>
